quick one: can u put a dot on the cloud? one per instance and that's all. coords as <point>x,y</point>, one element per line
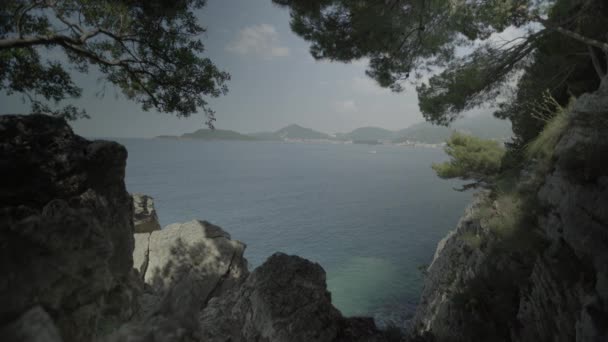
<point>346,106</point>
<point>261,40</point>
<point>362,62</point>
<point>366,85</point>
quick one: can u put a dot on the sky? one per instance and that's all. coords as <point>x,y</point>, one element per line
<point>275,82</point>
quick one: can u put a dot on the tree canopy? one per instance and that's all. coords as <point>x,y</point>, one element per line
<point>559,67</point>
<point>150,49</point>
<point>404,39</point>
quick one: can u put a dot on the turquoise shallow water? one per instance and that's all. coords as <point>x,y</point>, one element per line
<point>370,219</point>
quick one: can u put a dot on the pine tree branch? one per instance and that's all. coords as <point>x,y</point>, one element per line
<point>574,35</point>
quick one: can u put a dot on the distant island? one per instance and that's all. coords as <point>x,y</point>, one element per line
<point>292,132</point>
<point>420,134</point>
<point>211,134</point>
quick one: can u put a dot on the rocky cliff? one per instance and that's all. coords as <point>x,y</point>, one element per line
<point>76,268</point>
<point>65,226</point>
<point>547,279</point>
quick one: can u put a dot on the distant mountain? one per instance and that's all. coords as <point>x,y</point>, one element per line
<point>367,134</point>
<point>480,126</point>
<point>292,132</point>
<point>215,134</point>
<point>424,132</point>
<point>299,132</point>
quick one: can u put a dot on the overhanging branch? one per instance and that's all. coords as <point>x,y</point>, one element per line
<point>52,39</point>
<point>574,35</point>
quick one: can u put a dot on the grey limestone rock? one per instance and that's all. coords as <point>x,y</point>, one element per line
<point>145,219</point>
<point>285,299</point>
<point>65,223</point>
<point>195,251</point>
<point>182,266</point>
<point>567,299</point>
<point>74,268</point>
<point>562,291</point>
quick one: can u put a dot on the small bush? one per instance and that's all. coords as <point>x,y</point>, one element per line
<point>543,145</point>
<point>509,214</point>
<point>472,158</point>
<point>472,240</point>
<point>484,211</point>
<point>502,216</point>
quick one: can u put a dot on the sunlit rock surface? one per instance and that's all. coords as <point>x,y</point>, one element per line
<point>196,252</point>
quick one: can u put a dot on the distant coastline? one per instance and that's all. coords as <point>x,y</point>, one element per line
<point>418,135</point>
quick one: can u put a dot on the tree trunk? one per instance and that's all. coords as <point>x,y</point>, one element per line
<point>591,42</point>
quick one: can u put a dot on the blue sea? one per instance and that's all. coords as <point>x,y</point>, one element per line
<point>370,215</point>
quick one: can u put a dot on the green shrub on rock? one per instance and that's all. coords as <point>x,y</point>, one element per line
<point>473,159</point>
<point>543,145</point>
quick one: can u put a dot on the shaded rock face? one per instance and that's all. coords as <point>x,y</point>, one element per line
<point>65,224</point>
<point>34,325</point>
<point>145,219</point>
<point>453,264</point>
<point>561,293</point>
<point>285,299</point>
<point>464,297</point>
<point>567,299</point>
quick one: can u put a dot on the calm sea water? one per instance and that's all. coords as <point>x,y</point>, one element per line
<point>370,215</point>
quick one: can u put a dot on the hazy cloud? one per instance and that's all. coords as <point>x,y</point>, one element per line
<point>261,40</point>
<point>345,106</point>
<point>362,62</point>
<point>367,86</point>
